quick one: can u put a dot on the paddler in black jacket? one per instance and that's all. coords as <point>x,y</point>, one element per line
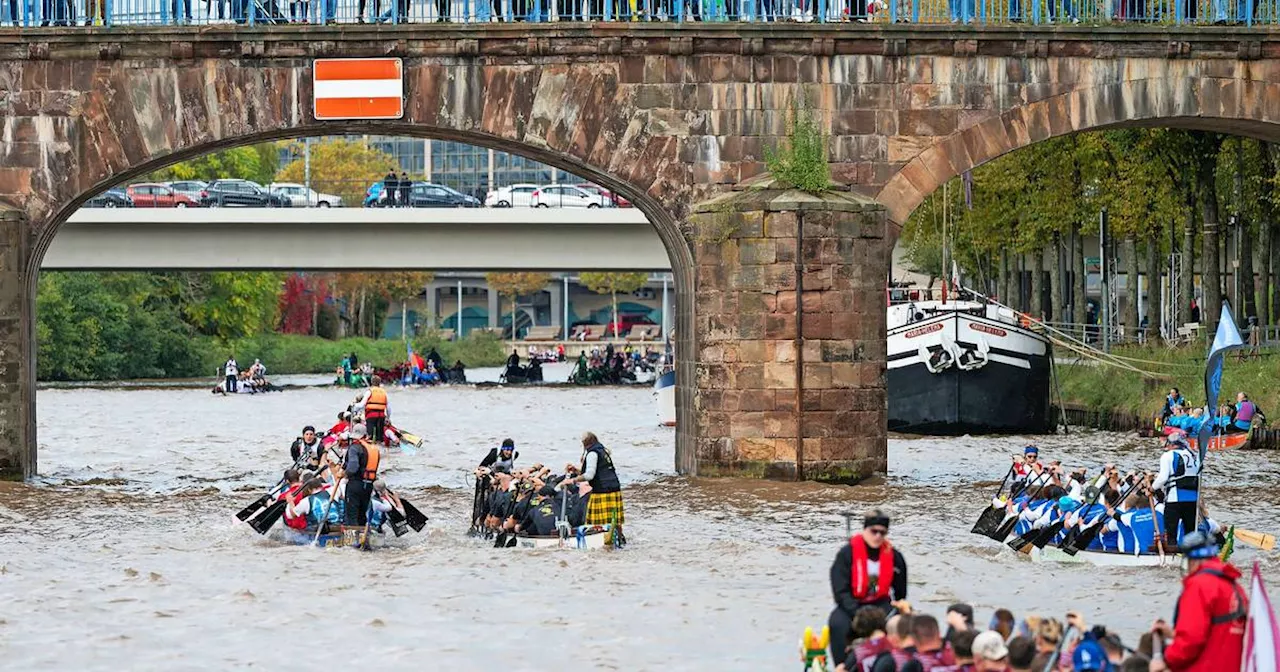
<point>867,571</point>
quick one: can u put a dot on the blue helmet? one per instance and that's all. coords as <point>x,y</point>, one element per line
<point>1198,546</point>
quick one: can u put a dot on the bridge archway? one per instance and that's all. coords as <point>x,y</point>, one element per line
<point>659,214</point>
<point>1229,103</point>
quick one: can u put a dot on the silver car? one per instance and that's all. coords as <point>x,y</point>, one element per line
<point>301,197</point>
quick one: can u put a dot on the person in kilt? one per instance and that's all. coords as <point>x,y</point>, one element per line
<point>604,505</point>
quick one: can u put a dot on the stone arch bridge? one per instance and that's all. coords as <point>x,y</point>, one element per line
<point>667,115</point>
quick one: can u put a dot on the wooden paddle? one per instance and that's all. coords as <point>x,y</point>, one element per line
<point>1260,540</point>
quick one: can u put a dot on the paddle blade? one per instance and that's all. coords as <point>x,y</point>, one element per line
<point>253,508</point>
<point>988,522</point>
<point>416,519</point>
<point>414,439</point>
<point>1022,542</point>
<point>1259,540</point>
<point>1083,539</point>
<point>1047,535</point>
<point>398,524</point>
<point>1005,529</point>
<point>268,518</point>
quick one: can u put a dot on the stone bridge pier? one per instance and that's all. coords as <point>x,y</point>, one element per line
<point>780,320</point>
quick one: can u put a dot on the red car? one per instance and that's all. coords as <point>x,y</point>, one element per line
<point>150,195</point>
<point>624,324</point>
<point>618,201</point>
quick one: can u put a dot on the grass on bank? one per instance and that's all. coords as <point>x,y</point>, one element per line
<point>1103,387</point>
<point>309,354</point>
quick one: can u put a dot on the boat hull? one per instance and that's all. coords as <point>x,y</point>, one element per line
<point>595,536</point>
<point>345,537</point>
<point>1224,442</point>
<point>1101,558</point>
<point>1006,394</point>
<point>665,388</point>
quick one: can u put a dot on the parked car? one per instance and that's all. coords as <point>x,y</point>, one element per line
<point>567,196</point>
<point>301,197</point>
<point>240,193</point>
<point>189,188</point>
<point>514,196</point>
<point>154,195</point>
<point>624,324</point>
<point>427,195</point>
<point>111,198</point>
<point>618,201</point>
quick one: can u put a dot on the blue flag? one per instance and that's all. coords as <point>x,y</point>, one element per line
<point>1227,338</point>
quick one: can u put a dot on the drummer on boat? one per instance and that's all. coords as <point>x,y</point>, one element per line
<point>867,571</point>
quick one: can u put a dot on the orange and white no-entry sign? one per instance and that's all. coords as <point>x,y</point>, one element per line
<point>358,88</point>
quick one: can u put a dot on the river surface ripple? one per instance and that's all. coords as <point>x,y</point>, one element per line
<point>124,552</point>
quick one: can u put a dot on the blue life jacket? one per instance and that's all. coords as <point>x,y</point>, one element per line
<point>1038,506</point>
<point>1095,514</point>
<point>1138,530</point>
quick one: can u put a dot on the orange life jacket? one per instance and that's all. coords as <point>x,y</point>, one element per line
<point>376,406</point>
<point>860,581</point>
<point>371,465</point>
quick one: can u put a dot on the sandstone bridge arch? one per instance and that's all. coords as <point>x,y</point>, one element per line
<point>667,115</point>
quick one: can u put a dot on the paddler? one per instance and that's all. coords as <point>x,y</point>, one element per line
<point>1028,470</point>
<point>297,510</point>
<point>308,444</point>
<point>381,504</point>
<point>1245,410</point>
<point>373,405</point>
<point>604,507</point>
<point>1179,477</point>
<point>867,571</point>
<point>501,459</point>
<point>361,467</point>
<point>1209,621</point>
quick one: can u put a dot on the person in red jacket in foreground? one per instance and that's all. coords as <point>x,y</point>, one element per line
<point>1209,623</point>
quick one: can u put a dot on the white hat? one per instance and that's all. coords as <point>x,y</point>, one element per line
<point>990,646</point>
<point>358,432</point>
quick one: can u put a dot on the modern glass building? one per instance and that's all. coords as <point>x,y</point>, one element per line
<point>467,168</point>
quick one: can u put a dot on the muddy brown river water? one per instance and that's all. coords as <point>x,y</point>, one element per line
<point>124,553</point>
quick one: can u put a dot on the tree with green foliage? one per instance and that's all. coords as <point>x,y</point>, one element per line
<point>339,167</point>
<point>250,162</point>
<point>229,305</point>
<point>612,284</point>
<point>108,326</point>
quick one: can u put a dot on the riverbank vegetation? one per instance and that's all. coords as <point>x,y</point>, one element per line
<point>1016,226</point>
<point>114,326</point>
<point>1100,387</point>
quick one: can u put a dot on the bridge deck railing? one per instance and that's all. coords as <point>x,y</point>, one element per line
<point>35,13</point>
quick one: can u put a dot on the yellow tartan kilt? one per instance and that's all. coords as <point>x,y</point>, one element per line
<point>604,507</point>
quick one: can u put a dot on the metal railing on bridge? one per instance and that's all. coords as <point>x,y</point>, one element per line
<point>35,13</point>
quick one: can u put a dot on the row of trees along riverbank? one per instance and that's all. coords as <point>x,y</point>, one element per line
<point>1017,230</point>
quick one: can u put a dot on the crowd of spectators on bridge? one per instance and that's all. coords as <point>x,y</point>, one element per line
<point>164,12</point>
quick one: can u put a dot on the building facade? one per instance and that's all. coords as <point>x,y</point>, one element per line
<point>463,299</point>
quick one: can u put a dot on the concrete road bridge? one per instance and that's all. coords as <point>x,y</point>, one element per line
<point>344,239</point>
<point>780,313</point>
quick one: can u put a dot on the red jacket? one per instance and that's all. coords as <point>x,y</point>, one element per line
<point>1199,643</point>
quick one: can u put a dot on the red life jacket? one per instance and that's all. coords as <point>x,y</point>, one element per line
<point>860,581</point>
<point>292,497</point>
